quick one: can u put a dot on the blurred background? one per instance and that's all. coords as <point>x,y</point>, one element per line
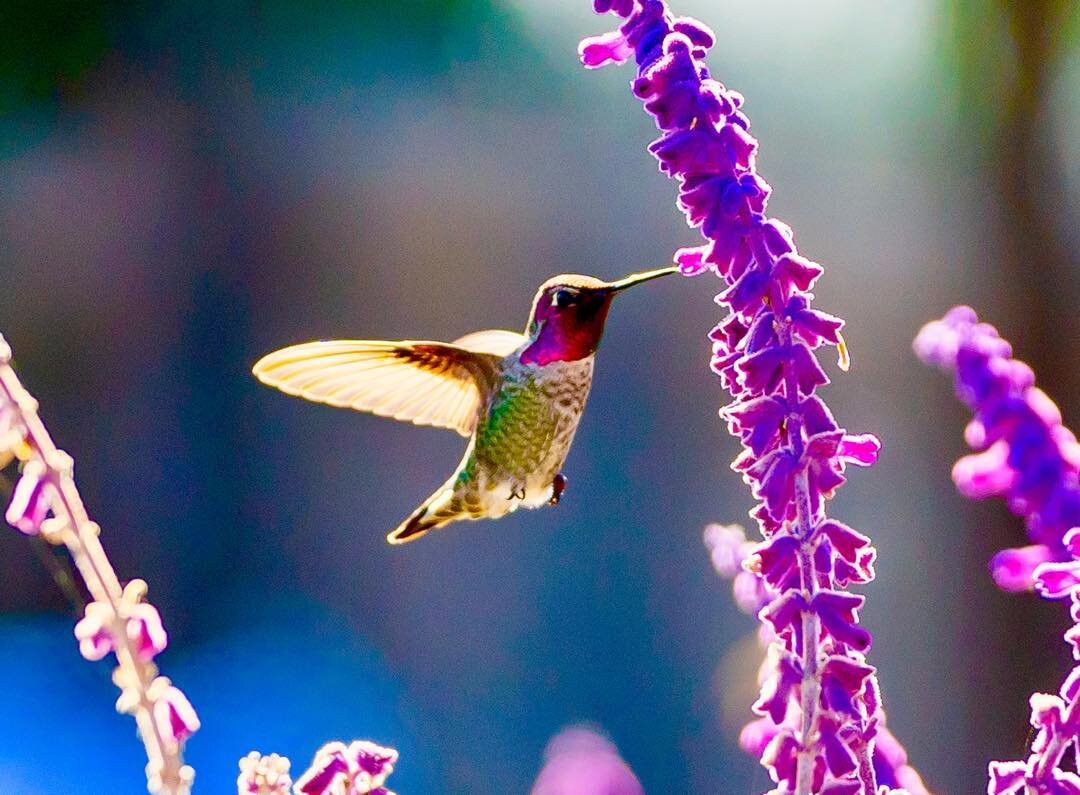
<point>188,185</point>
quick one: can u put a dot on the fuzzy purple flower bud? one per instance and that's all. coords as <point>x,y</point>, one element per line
<point>579,761</point>
<point>1027,456</point>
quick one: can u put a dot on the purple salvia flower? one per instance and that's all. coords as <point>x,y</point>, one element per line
<point>821,699</point>
<point>1028,457</point>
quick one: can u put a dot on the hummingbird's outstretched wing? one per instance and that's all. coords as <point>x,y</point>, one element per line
<point>427,383</point>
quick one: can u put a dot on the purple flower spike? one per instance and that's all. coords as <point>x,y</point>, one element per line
<point>795,453</point>
<point>1027,456</point>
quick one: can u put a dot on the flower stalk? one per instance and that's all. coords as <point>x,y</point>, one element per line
<point>118,620</point>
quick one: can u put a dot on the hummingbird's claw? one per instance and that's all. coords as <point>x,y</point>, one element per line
<point>558,486</point>
<point>517,493</point>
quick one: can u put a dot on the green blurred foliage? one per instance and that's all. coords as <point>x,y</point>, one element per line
<point>48,45</point>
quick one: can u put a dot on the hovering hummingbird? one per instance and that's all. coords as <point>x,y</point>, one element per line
<point>518,397</point>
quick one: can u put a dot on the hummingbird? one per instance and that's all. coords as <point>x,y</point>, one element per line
<point>517,397</point>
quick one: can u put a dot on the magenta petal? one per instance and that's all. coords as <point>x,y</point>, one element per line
<point>597,51</point>
<point>691,261</point>
<point>1014,569</point>
<point>838,757</point>
<point>781,756</point>
<point>146,631</point>
<point>327,769</point>
<point>859,449</point>
<point>1072,542</point>
<point>1057,580</point>
<point>838,613</point>
<point>174,715</point>
<point>31,501</point>
<point>985,474</point>
<point>372,759</point>
<point>785,613</point>
<point>777,562</point>
<point>777,691</point>
<point>1006,778</point>
<point>756,735</point>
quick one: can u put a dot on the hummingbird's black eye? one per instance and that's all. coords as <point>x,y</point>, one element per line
<point>562,298</point>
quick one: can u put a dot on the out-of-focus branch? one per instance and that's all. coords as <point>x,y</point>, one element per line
<point>118,620</point>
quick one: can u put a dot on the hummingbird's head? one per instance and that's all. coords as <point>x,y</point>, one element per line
<point>568,314</point>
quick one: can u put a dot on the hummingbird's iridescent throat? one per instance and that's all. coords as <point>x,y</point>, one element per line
<point>568,315</point>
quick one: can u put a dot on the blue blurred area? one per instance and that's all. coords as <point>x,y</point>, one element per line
<point>282,676</point>
<point>190,185</point>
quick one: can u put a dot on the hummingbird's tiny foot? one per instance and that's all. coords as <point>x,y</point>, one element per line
<point>558,486</point>
<point>517,493</point>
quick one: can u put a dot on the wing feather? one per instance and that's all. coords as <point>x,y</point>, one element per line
<point>427,383</point>
<point>498,342</point>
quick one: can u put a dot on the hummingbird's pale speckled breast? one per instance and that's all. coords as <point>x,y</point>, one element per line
<point>525,435</point>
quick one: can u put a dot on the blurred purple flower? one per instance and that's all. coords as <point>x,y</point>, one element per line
<point>263,775</point>
<point>579,761</point>
<point>1025,454</point>
<point>359,768</point>
<point>1028,457</point>
<point>795,454</point>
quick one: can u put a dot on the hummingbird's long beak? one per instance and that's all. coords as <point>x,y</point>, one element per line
<point>639,278</point>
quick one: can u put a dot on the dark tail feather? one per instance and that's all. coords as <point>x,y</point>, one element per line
<point>415,526</point>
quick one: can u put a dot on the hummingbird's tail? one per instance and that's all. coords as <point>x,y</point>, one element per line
<point>439,509</point>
